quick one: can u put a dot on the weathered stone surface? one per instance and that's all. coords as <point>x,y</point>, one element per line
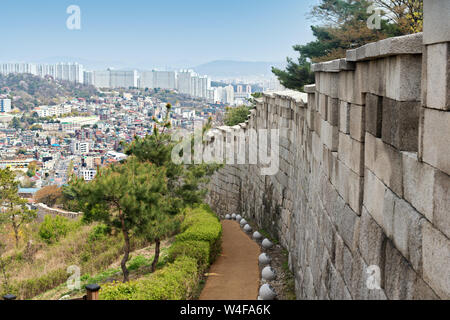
<point>372,240</point>
<point>333,111</point>
<point>398,275</point>
<point>345,223</point>
<point>441,203</point>
<point>436,25</point>
<point>403,45</point>
<point>437,75</point>
<point>344,117</point>
<point>403,77</point>
<point>323,106</point>
<point>374,114</point>
<point>351,152</point>
<point>385,162</point>
<point>407,233</point>
<point>311,88</point>
<point>350,186</point>
<point>436,260</point>
<point>400,126</point>
<point>374,193</point>
<point>357,122</point>
<point>435,133</point>
<point>329,135</point>
<point>418,181</point>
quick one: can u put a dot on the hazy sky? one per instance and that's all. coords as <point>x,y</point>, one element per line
<point>144,33</point>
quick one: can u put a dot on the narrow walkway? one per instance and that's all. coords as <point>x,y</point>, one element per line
<point>235,274</point>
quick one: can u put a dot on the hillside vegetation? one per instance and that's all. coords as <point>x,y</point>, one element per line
<point>29,91</point>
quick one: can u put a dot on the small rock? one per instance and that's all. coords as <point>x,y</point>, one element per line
<point>257,236</point>
<point>228,217</point>
<point>243,222</point>
<point>267,244</point>
<point>268,274</point>
<point>267,292</point>
<point>247,228</point>
<point>264,259</point>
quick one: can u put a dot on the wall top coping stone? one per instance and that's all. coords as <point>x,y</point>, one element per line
<point>296,96</point>
<point>409,44</point>
<point>311,88</point>
<point>333,66</point>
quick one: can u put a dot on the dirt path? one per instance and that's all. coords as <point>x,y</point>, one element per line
<point>235,274</point>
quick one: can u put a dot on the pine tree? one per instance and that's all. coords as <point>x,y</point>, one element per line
<point>14,209</point>
<point>127,197</point>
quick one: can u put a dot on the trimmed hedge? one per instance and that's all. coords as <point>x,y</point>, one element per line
<point>189,256</point>
<point>199,250</point>
<point>202,224</point>
<point>175,282</point>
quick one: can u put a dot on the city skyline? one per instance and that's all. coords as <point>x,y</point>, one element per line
<point>172,34</point>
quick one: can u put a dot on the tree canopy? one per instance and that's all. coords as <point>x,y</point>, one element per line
<point>344,25</point>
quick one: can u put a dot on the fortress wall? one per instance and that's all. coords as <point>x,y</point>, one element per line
<point>364,165</point>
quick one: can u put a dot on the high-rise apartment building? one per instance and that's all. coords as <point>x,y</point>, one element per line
<point>123,79</point>
<point>7,68</point>
<point>101,79</point>
<point>5,105</point>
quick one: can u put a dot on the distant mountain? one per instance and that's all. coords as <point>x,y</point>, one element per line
<point>233,69</point>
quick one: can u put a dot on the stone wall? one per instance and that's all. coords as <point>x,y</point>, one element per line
<point>43,210</point>
<point>364,165</point>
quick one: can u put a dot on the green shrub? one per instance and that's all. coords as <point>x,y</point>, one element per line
<point>99,232</point>
<point>201,225</point>
<point>199,250</point>
<point>189,256</point>
<point>137,262</point>
<point>177,281</point>
<point>53,228</point>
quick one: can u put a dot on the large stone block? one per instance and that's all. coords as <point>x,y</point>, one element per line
<point>403,77</point>
<point>374,193</point>
<point>374,114</point>
<point>407,233</point>
<point>438,76</point>
<point>385,162</point>
<point>329,135</point>
<point>434,146</point>
<point>377,84</point>
<point>344,117</point>
<point>441,203</point>
<point>400,126</point>
<point>360,83</point>
<point>436,25</point>
<point>418,182</point>
<point>346,225</point>
<point>351,152</point>
<point>350,186</point>
<point>346,89</point>
<point>372,240</point>
<point>333,111</point>
<point>323,106</point>
<point>357,122</point>
<point>436,260</point>
<point>399,277</point>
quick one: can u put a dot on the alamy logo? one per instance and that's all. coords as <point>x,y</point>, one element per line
<point>255,147</point>
<point>374,280</point>
<point>73,282</point>
<point>374,21</point>
<point>74,20</point>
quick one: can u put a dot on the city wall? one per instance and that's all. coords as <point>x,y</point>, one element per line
<point>43,210</point>
<point>364,165</point>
